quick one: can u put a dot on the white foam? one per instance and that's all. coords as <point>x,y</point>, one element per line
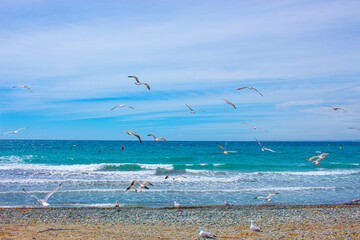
<point>312,173</point>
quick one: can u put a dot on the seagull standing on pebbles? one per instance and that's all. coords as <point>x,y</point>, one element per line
<point>23,86</point>
<point>251,88</point>
<point>177,205</point>
<point>336,108</point>
<point>157,139</point>
<point>121,105</point>
<point>253,227</point>
<point>133,133</point>
<point>174,178</point>
<point>268,198</point>
<point>14,132</point>
<point>191,110</point>
<point>255,127</point>
<point>226,152</point>
<point>264,148</point>
<point>43,201</point>
<point>204,234</point>
<point>230,103</point>
<point>139,83</point>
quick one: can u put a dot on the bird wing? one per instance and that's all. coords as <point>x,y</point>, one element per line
<point>130,106</point>
<point>133,182</point>
<point>258,197</point>
<point>268,149</point>
<point>138,137</point>
<point>271,194</point>
<point>259,143</point>
<point>7,133</point>
<point>257,91</point>
<point>242,88</point>
<point>312,158</point>
<point>189,107</point>
<point>147,85</point>
<point>232,105</point>
<point>167,176</point>
<point>31,194</point>
<point>114,108</point>
<point>180,176</point>
<point>51,193</point>
<point>134,78</point>
<point>19,129</point>
<point>28,88</point>
<point>129,187</point>
<point>232,151</point>
<point>148,183</point>
<point>152,135</point>
<point>262,129</point>
<point>342,109</point>
<point>220,146</point>
<point>249,124</point>
<point>162,138</point>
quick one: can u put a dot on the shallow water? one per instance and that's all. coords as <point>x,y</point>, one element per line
<point>97,173</point>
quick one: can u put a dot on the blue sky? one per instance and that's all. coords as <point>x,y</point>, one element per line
<point>76,56</point>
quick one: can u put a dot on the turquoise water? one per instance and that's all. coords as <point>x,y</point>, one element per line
<point>96,173</point>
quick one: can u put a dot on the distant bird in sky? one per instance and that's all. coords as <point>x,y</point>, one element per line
<point>319,158</point>
<point>204,234</point>
<point>23,86</point>
<point>268,198</point>
<point>177,205</point>
<point>139,83</point>
<point>191,110</point>
<point>253,227</point>
<point>255,127</point>
<point>251,88</point>
<point>230,103</point>
<point>336,108</point>
<point>226,152</point>
<point>14,132</point>
<point>121,105</point>
<point>174,178</point>
<point>43,201</point>
<point>133,133</point>
<point>264,148</point>
<point>354,128</point>
<point>138,190</point>
<point>157,139</point>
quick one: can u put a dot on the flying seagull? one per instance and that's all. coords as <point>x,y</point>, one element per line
<point>191,110</point>
<point>230,103</point>
<point>157,139</point>
<point>139,83</point>
<point>43,201</point>
<point>174,178</point>
<point>226,152</point>
<point>23,86</point>
<point>121,105</point>
<point>133,133</point>
<point>253,227</point>
<point>138,190</point>
<point>319,158</point>
<point>141,184</point>
<point>177,205</point>
<point>268,198</point>
<point>14,132</point>
<point>204,234</point>
<point>251,88</point>
<point>264,148</point>
<point>336,108</point>
<point>255,127</point>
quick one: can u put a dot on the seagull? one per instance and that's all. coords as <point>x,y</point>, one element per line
<point>227,204</point>
<point>116,204</point>
<point>14,132</point>
<point>138,190</point>
<point>204,234</point>
<point>355,201</point>
<point>354,128</point>
<point>177,205</point>
<point>121,105</point>
<point>133,133</point>
<point>336,108</point>
<point>227,102</point>
<point>268,198</point>
<point>141,184</point>
<point>191,110</point>
<point>253,227</point>
<point>174,178</point>
<point>264,148</point>
<point>255,127</point>
<point>23,86</point>
<point>139,83</point>
<point>226,152</point>
<point>319,158</point>
<point>251,88</point>
<point>43,201</point>
<point>157,139</point>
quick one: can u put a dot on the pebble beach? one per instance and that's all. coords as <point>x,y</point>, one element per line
<point>276,222</point>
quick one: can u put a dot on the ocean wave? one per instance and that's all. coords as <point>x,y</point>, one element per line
<point>312,173</point>
<point>15,159</point>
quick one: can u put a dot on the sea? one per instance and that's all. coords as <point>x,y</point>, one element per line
<point>97,173</point>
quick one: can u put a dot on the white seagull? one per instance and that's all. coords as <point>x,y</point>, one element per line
<point>336,108</point>
<point>14,132</point>
<point>139,83</point>
<point>251,88</point>
<point>133,133</point>
<point>230,103</point>
<point>264,148</point>
<point>177,205</point>
<point>253,227</point>
<point>191,110</point>
<point>268,198</point>
<point>204,234</point>
<point>121,105</point>
<point>255,127</point>
<point>174,178</point>
<point>43,201</point>
<point>157,139</point>
<point>224,151</point>
<point>23,86</point>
